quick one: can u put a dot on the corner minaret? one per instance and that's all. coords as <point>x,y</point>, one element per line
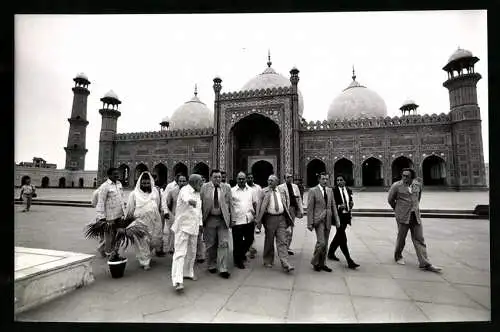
<point>468,159</point>
<point>217,109</point>
<point>75,149</point>
<point>110,115</point>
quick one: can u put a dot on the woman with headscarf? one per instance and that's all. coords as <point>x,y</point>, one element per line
<point>144,207</point>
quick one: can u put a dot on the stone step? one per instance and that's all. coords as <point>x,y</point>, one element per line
<point>42,275</point>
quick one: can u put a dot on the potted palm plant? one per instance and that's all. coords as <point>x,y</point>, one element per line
<point>123,234</point>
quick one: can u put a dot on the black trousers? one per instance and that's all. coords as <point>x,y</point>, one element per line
<point>243,236</point>
<point>340,240</point>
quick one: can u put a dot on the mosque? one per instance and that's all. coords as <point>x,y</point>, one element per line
<point>260,129</point>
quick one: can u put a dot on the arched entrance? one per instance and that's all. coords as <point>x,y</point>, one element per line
<point>80,182</point>
<point>372,172</point>
<point>434,171</point>
<point>23,180</point>
<point>397,166</point>
<point>124,174</point>
<point>344,167</point>
<point>253,139</point>
<point>138,170</point>
<point>161,172</point>
<point>62,182</point>
<point>202,169</point>
<point>261,171</point>
<point>45,182</point>
<point>181,168</point>
<point>314,167</point>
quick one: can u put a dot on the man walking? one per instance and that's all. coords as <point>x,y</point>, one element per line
<point>110,206</point>
<point>320,213</point>
<point>296,208</point>
<point>404,198</point>
<point>216,206</point>
<point>187,224</point>
<point>274,214</point>
<point>257,190</point>
<point>244,207</point>
<point>344,203</point>
<point>169,206</point>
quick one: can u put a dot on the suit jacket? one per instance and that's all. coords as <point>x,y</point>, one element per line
<point>318,211</point>
<point>345,218</point>
<point>296,193</point>
<point>402,201</point>
<point>207,201</point>
<point>266,198</point>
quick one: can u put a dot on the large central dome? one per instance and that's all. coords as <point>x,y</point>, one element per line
<point>356,101</point>
<point>271,79</point>
<point>193,114</point>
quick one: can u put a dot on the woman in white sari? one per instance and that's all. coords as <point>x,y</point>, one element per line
<point>144,206</point>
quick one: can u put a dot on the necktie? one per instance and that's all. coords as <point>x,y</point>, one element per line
<point>324,195</point>
<point>216,197</point>
<point>344,198</point>
<point>276,207</point>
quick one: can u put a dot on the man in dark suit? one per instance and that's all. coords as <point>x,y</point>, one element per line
<point>321,212</point>
<point>343,197</point>
<point>275,215</point>
<point>216,208</point>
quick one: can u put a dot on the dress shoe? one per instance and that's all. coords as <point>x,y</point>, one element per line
<point>333,257</point>
<point>240,265</point>
<point>161,253</point>
<point>352,265</point>
<point>400,261</point>
<point>225,274</point>
<point>326,268</point>
<point>213,270</point>
<point>431,268</point>
<point>288,268</point>
<point>200,260</point>
<point>179,287</point>
<point>291,253</point>
<point>317,268</point>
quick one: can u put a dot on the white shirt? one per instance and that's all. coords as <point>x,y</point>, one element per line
<point>257,190</point>
<point>271,208</point>
<point>345,196</point>
<point>164,193</point>
<point>242,202</point>
<point>110,204</point>
<point>188,219</point>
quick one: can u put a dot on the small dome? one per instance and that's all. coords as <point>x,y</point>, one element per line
<point>271,79</point>
<point>165,119</point>
<point>193,114</point>
<point>357,101</point>
<point>111,94</point>
<point>82,76</point>
<point>459,54</point>
<point>409,102</point>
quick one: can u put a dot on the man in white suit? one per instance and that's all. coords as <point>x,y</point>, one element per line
<point>296,209</point>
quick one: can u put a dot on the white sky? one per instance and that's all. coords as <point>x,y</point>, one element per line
<point>153,62</point>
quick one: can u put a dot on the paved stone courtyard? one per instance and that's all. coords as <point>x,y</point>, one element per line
<point>379,291</point>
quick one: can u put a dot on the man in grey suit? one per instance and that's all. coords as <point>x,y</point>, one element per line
<point>216,208</point>
<point>404,197</point>
<point>321,209</point>
<point>275,215</point>
<point>296,208</point>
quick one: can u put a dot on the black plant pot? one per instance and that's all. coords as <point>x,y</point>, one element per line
<point>117,268</point>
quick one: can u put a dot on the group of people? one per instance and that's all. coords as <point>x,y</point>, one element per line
<point>199,214</point>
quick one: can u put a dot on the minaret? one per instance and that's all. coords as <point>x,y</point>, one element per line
<point>215,151</point>
<point>468,159</point>
<point>75,149</point>
<point>294,79</point>
<point>110,115</point>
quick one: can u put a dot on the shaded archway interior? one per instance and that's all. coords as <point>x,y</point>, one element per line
<point>314,168</point>
<point>161,172</point>
<point>255,136</point>
<point>62,183</point>
<point>434,171</point>
<point>45,182</point>
<point>372,172</point>
<point>202,169</point>
<point>80,183</point>
<point>345,168</point>
<point>261,171</point>
<point>398,165</point>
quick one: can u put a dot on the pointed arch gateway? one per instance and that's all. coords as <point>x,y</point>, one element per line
<point>344,167</point>
<point>80,182</point>
<point>62,182</point>
<point>314,167</point>
<point>372,172</point>
<point>397,166</point>
<point>45,182</point>
<point>434,171</point>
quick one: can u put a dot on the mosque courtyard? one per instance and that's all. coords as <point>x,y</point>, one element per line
<point>379,291</point>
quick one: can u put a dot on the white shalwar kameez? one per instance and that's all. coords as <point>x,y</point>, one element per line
<point>145,208</point>
<point>188,220</point>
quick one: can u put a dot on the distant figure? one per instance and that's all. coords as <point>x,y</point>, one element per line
<point>169,205</point>
<point>187,224</point>
<point>321,213</point>
<point>404,198</point>
<point>27,192</point>
<point>274,215</point>
<point>110,206</point>
<point>216,200</point>
<point>296,208</point>
<point>344,203</point>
